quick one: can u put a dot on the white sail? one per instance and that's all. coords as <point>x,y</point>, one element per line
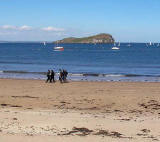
<point>150,43</point>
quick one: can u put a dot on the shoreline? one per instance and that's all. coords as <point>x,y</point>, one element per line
<point>99,77</point>
<point>86,80</point>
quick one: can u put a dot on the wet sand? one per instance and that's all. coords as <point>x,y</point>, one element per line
<point>78,111</point>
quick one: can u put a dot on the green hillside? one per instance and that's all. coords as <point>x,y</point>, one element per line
<point>100,38</point>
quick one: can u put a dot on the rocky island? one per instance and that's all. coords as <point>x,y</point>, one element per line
<point>100,38</point>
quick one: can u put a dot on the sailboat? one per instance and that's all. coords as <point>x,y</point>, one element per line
<point>44,43</point>
<point>58,48</point>
<point>114,47</point>
<point>150,43</point>
<point>119,44</point>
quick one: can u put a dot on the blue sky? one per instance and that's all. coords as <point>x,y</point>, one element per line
<point>126,20</point>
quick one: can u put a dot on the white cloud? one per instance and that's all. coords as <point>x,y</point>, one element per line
<point>52,29</point>
<point>25,32</point>
<point>9,27</point>
<point>25,27</point>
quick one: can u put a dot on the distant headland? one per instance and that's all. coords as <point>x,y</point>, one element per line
<point>100,38</point>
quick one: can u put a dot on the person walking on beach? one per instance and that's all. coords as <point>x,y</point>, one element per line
<point>52,76</point>
<point>60,76</point>
<point>65,73</point>
<point>48,76</point>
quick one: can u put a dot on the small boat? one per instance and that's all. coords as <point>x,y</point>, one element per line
<point>150,43</point>
<point>115,48</point>
<point>44,43</point>
<point>58,48</point>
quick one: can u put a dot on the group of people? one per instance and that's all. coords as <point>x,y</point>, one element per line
<point>62,76</point>
<point>50,76</point>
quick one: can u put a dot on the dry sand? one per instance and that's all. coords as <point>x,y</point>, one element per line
<point>32,110</point>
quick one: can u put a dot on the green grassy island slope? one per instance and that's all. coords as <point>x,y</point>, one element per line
<point>100,38</point>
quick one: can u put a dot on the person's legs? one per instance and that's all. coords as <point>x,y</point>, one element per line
<point>63,78</point>
<point>47,79</point>
<point>60,79</point>
<point>50,79</point>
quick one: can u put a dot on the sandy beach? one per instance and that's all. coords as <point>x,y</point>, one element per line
<point>32,110</point>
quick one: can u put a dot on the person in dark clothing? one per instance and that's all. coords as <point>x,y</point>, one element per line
<point>65,73</point>
<point>52,76</point>
<point>60,76</point>
<point>48,76</point>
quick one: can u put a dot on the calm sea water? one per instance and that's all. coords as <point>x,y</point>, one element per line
<point>99,62</point>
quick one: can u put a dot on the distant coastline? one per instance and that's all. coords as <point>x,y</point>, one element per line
<point>100,38</point>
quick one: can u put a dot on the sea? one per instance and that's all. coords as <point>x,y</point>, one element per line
<point>133,62</point>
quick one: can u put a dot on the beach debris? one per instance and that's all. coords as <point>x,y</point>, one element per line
<point>145,134</point>
<point>79,131</point>
<point>139,134</point>
<point>29,108</point>
<point>145,130</point>
<point>124,119</point>
<point>10,105</point>
<point>82,131</point>
<point>63,102</point>
<point>15,119</point>
<point>135,111</point>
<point>116,110</point>
<point>116,134</point>
<point>151,137</point>
<point>15,106</point>
<point>107,133</point>
<point>5,104</point>
<point>25,97</point>
<point>102,132</point>
<point>151,105</point>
